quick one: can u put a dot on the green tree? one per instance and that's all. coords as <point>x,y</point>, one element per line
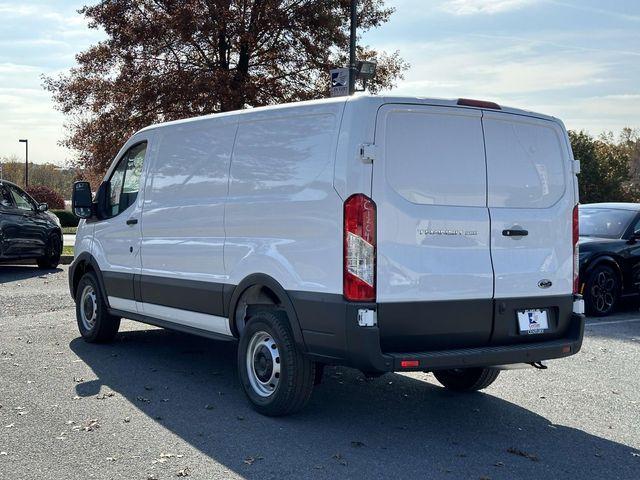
<point>58,179</point>
<point>170,59</point>
<point>605,168</point>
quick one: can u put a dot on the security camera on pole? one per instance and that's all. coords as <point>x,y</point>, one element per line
<point>343,80</point>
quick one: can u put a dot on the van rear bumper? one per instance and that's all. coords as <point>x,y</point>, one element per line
<point>360,347</point>
<point>367,357</point>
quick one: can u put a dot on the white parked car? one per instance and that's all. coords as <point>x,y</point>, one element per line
<point>384,234</point>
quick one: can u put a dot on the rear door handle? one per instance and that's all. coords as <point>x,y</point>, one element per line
<point>132,221</point>
<point>515,233</point>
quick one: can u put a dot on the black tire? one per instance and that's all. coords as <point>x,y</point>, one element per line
<point>101,327</point>
<point>467,379</point>
<point>52,253</point>
<point>602,291</point>
<point>267,336</point>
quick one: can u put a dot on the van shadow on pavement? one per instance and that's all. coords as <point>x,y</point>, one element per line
<point>14,273</point>
<point>393,426</point>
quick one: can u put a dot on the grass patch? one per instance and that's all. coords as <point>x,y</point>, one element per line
<point>69,230</point>
<point>67,250</point>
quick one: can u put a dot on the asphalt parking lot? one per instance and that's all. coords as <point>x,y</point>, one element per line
<point>157,405</point>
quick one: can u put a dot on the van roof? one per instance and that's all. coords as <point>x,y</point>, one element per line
<point>364,98</point>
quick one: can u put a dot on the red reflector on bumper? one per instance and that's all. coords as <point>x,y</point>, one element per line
<point>409,363</point>
<point>566,349</point>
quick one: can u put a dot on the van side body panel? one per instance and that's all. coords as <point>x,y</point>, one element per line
<point>283,217</point>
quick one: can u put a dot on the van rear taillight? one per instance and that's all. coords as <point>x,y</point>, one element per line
<point>576,253</point>
<point>359,264</point>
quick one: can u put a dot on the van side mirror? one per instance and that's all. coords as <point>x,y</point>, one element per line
<point>43,207</point>
<point>81,200</point>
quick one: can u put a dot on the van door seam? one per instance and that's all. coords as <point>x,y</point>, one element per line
<point>226,200</point>
<point>493,271</point>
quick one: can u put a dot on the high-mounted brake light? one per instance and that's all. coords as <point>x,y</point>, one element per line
<point>359,263</point>
<point>468,102</point>
<point>576,252</point>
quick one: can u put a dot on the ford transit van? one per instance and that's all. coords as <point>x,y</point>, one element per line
<point>383,234</point>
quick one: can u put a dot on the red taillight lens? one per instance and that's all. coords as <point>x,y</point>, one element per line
<point>576,261</point>
<point>359,267</point>
<point>409,363</point>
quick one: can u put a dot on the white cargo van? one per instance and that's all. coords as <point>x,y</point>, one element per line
<point>384,234</point>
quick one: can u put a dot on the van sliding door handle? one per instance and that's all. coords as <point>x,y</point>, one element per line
<point>515,233</point>
<point>132,221</point>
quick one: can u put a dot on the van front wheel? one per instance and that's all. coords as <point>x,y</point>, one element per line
<point>95,323</point>
<point>466,379</point>
<point>275,375</point>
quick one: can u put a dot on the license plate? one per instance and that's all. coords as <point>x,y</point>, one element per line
<point>532,321</point>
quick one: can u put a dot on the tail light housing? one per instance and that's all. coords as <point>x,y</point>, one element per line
<point>359,254</point>
<point>576,253</point>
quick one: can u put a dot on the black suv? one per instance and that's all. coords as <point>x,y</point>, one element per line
<point>609,254</point>
<point>27,230</point>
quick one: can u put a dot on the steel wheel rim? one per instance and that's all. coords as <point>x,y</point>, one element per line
<point>603,291</point>
<point>263,364</point>
<point>88,307</point>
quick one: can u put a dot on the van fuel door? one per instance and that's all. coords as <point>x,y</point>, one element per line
<point>368,152</point>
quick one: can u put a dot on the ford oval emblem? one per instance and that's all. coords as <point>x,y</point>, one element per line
<point>545,283</point>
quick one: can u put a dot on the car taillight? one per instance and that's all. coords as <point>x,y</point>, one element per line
<point>359,263</point>
<point>576,261</point>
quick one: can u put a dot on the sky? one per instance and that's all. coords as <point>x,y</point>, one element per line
<point>578,60</point>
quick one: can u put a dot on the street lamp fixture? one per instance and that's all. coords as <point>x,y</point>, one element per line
<point>26,161</point>
<point>366,71</point>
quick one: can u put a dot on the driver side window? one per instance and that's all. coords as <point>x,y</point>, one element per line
<point>125,179</point>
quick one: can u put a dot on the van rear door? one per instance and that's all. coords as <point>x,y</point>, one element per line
<point>531,198</point>
<point>434,274</point>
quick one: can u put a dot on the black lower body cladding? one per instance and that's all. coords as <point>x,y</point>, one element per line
<point>438,335</point>
<point>433,335</point>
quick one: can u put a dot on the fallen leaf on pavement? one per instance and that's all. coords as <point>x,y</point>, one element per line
<point>91,425</point>
<point>521,453</point>
<point>185,472</point>
<point>340,459</point>
<point>252,460</point>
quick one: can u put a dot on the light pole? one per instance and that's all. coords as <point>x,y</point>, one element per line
<point>26,161</point>
<point>353,68</point>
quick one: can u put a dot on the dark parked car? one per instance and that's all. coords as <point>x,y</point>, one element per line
<point>27,230</point>
<point>609,254</point>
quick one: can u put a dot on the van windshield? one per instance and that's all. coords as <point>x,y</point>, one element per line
<point>604,222</point>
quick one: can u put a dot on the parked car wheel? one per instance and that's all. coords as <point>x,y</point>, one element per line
<point>602,291</point>
<point>95,323</point>
<point>52,253</point>
<point>466,379</point>
<point>275,375</point>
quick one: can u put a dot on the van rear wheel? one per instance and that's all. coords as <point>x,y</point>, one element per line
<point>275,375</point>
<point>467,379</point>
